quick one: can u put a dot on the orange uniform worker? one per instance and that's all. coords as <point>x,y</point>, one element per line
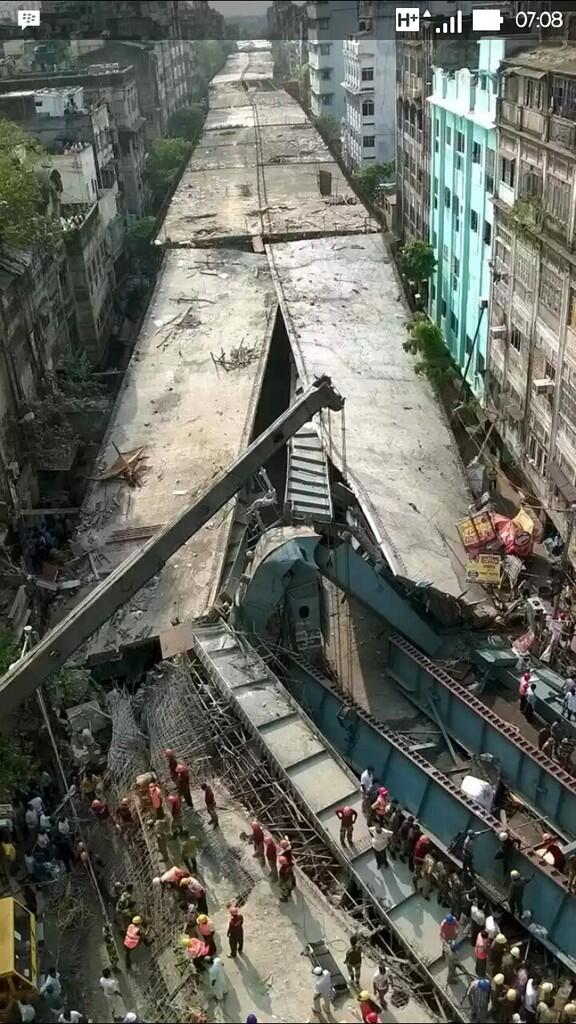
<point>132,940</point>
<point>172,763</point>
<point>206,930</point>
<point>155,794</point>
<point>348,817</point>
<point>271,854</point>
<point>183,782</point>
<point>257,840</point>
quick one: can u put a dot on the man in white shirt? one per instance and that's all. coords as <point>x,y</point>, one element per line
<point>110,986</point>
<point>381,983</point>
<point>52,981</point>
<point>531,999</point>
<point>367,779</point>
<point>70,1017</point>
<point>322,991</point>
<point>380,841</point>
<point>37,804</point>
<point>27,1012</point>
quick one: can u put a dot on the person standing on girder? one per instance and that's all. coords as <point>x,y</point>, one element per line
<point>348,817</point>
<point>172,764</point>
<point>257,840</point>
<point>478,996</point>
<point>210,802</point>
<point>183,783</point>
<point>508,847</point>
<point>271,855</point>
<point>525,680</point>
<point>516,892</point>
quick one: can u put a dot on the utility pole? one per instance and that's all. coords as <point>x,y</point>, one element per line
<point>565,559</point>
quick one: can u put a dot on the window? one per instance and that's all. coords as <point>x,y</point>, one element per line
<point>448,135</point>
<point>525,273</point>
<point>476,153</point>
<point>369,141</point>
<point>537,453</point>
<point>435,186</point>
<point>490,161</point>
<point>432,291</point>
<point>447,198</point>
<point>326,74</point>
<point>435,202</point>
<point>327,99</point>
<point>367,108</point>
<point>473,220</point>
<point>469,344</point>
<point>480,365</point>
<point>436,127</point>
<point>507,171</point>
<point>323,24</point>
<point>551,288</point>
<point>557,199</point>
<point>460,142</point>
<point>445,252</point>
<point>572,308</point>
<point>482,81</point>
<point>444,308</point>
<point>564,97</point>
<point>434,240</point>
<point>532,94</point>
<point>324,49</point>
<point>455,265</point>
<point>487,236</point>
<point>453,323</point>
<point>515,338</point>
<point>367,74</point>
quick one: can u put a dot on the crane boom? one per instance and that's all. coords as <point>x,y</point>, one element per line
<point>95,609</point>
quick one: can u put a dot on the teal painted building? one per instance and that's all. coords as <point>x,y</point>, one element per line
<point>463,144</point>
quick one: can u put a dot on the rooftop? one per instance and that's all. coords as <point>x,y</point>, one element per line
<point>192,417</point>
<point>345,316</point>
<point>546,58</point>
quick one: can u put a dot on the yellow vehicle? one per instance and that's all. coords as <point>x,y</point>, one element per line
<point>18,958</point>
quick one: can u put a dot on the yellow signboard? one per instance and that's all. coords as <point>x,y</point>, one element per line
<point>476,530</point>
<point>484,569</point>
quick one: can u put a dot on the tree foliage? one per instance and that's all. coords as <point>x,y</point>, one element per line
<point>369,179</point>
<point>426,340</point>
<point>211,56</point>
<point>23,218</point>
<point>164,161</point>
<point>139,243</point>
<point>417,260</point>
<point>187,122</point>
<point>329,129</point>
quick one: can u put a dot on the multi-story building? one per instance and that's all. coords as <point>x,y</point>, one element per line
<point>329,24</point>
<point>115,87</point>
<point>532,338</point>
<point>160,70</point>
<point>288,26</point>
<point>462,162</point>
<point>415,56</point>
<point>198,20</point>
<point>369,120</point>
<point>149,19</point>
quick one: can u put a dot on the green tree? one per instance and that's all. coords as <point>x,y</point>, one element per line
<point>187,122</point>
<point>329,129</point>
<point>23,218</point>
<point>426,340</point>
<point>417,261</point>
<point>369,179</point>
<point>139,243</point>
<point>165,158</point>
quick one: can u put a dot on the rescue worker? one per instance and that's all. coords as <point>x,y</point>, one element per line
<point>478,996</point>
<point>170,879</point>
<point>509,965</point>
<point>421,848</point>
<point>525,680</point>
<point>257,840</point>
<point>235,931</point>
<point>348,817</point>
<point>286,848</point>
<point>189,849</point>
<point>403,836</point>
<point>172,762</point>
<point>449,928</point>
<point>498,948</point>
<point>456,893</point>
<point>424,880</point>
<point>508,847</point>
<point>271,855</point>
<point>367,1007</point>
<point>161,829</point>
<point>155,794</point>
<point>568,1014</point>
<point>183,782</point>
<point>175,808</point>
<point>481,948</point>
<point>192,887</point>
<point>286,878</point>
<point>498,997</point>
<point>132,939</point>
<point>442,883</point>
<point>124,814</point>
<point>100,809</point>
<point>516,893</point>
<point>380,804</point>
<point>353,960</point>
<point>552,847</point>
<point>394,823</point>
<point>206,931</point>
<point>379,840</point>
<point>210,802</point>
<point>414,834</point>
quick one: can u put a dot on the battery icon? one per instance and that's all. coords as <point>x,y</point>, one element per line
<point>487,20</point>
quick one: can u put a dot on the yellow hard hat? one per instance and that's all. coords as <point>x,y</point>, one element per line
<point>570,1008</point>
<point>500,938</point>
<point>515,952</point>
<point>547,986</point>
<point>511,994</point>
<point>514,875</point>
<point>363,995</point>
<point>498,979</point>
<point>201,919</point>
<point>137,920</point>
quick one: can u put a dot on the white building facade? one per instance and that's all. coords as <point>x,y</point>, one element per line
<point>368,121</point>
<point>329,24</point>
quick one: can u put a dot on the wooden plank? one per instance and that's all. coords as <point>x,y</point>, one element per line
<point>135,533</point>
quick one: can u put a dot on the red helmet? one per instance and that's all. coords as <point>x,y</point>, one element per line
<point>169,753</point>
<point>424,840</point>
<point>282,861</point>
<point>346,810</point>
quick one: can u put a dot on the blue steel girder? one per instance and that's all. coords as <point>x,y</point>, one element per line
<point>442,809</point>
<point>543,783</point>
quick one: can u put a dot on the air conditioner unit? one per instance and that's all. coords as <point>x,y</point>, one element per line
<point>543,386</point>
<point>498,330</point>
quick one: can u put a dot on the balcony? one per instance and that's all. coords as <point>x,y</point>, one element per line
<point>562,132</point>
<point>509,113</point>
<point>532,121</point>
